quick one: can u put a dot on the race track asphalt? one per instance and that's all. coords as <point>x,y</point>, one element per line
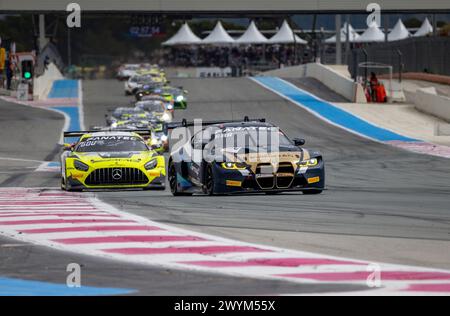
<point>28,137</point>
<point>382,203</point>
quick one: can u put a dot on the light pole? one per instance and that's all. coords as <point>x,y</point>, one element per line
<point>295,46</point>
<point>347,38</point>
<point>69,48</point>
<point>338,40</point>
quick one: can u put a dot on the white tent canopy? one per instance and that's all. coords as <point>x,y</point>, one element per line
<point>286,36</point>
<point>399,32</point>
<point>353,35</point>
<point>218,36</point>
<point>252,36</point>
<point>425,29</point>
<point>184,36</point>
<point>372,34</point>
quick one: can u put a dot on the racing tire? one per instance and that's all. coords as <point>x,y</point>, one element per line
<point>66,187</point>
<point>69,189</point>
<point>173,182</point>
<point>209,181</point>
<point>312,192</point>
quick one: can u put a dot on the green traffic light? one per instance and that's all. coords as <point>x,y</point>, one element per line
<point>27,75</point>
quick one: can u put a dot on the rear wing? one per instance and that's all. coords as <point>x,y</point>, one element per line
<point>78,134</point>
<point>185,123</point>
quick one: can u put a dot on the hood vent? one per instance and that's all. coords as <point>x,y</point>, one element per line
<point>116,155</point>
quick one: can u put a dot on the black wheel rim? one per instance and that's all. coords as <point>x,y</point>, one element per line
<point>173,179</point>
<point>209,181</point>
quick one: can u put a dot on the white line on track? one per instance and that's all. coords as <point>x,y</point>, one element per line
<point>22,160</point>
<point>418,147</point>
<point>312,111</point>
<point>66,117</point>
<point>170,247</point>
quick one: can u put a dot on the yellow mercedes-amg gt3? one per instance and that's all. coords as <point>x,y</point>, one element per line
<point>111,160</point>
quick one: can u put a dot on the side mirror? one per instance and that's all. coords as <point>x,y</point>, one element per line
<point>67,147</point>
<point>299,141</point>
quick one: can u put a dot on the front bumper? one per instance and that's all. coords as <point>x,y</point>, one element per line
<point>244,181</point>
<point>96,178</point>
<point>157,184</point>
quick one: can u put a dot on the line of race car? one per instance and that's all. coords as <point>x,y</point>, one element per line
<point>221,157</point>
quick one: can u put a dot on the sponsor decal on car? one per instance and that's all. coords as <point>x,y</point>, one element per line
<point>313,180</point>
<point>232,183</point>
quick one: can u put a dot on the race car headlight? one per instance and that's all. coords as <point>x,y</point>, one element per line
<point>151,164</point>
<point>180,98</point>
<point>234,165</point>
<point>81,166</point>
<point>309,163</point>
<point>165,117</point>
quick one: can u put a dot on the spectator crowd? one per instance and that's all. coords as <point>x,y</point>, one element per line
<point>252,55</point>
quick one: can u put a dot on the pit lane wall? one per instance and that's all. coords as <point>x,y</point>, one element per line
<point>42,85</point>
<point>334,80</point>
<point>428,101</point>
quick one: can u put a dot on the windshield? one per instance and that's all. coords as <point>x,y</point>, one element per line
<point>145,80</point>
<point>111,144</point>
<point>251,137</point>
<point>152,106</point>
